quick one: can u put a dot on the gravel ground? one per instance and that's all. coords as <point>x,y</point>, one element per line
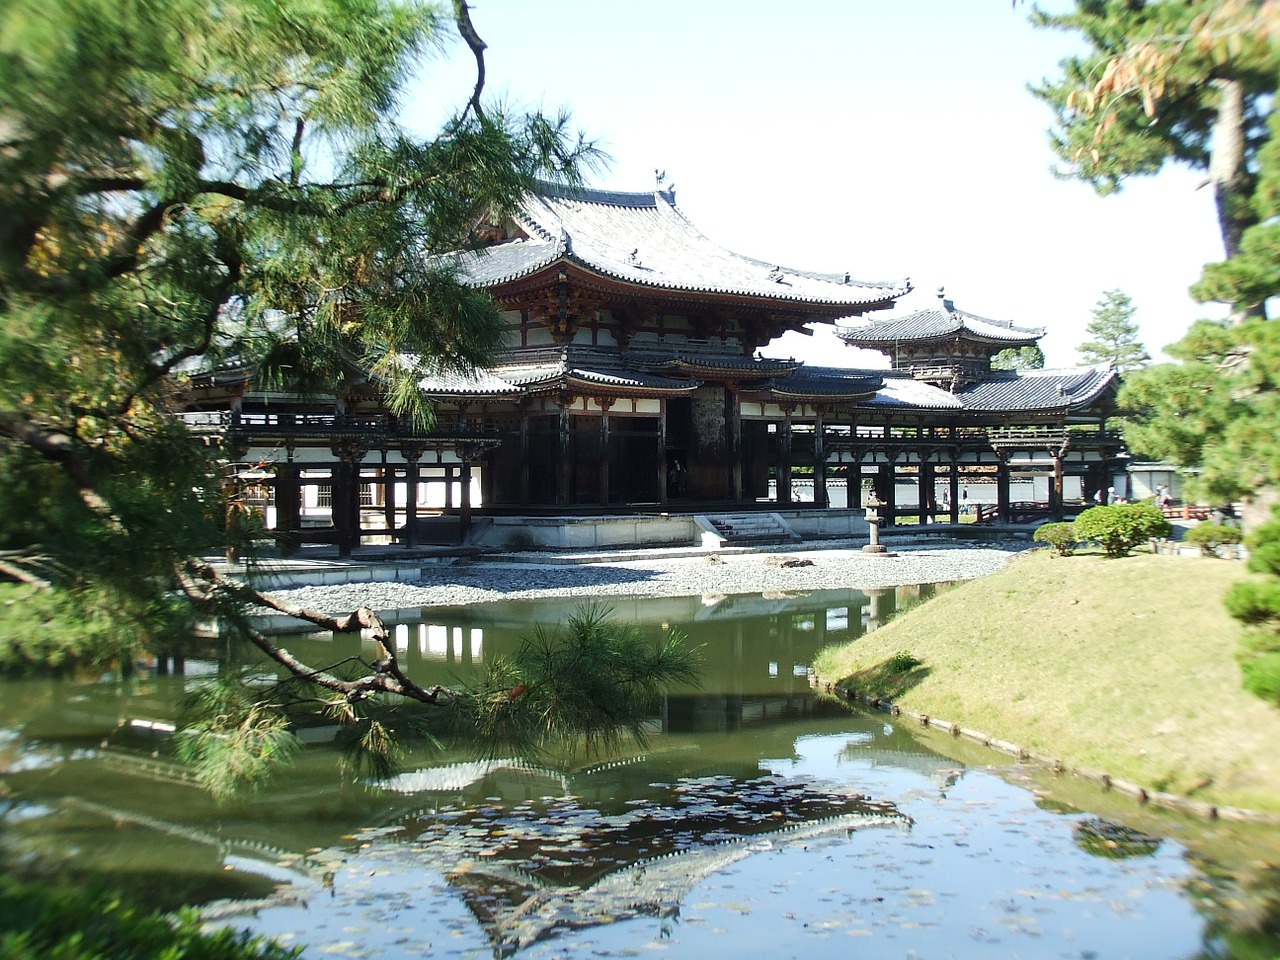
<point>487,581</point>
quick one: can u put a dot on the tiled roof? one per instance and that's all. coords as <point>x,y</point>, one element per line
<point>905,392</point>
<point>1031,390</point>
<point>830,383</point>
<point>942,321</point>
<point>643,238</point>
<point>759,367</point>
<point>630,379</point>
<point>532,376</point>
<point>448,383</point>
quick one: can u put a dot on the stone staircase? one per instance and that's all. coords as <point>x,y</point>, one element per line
<point>741,529</point>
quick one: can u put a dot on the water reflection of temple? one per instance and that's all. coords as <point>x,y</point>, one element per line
<point>757,648</point>
<point>648,823</point>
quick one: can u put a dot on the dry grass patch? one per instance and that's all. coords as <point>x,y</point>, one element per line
<point>1125,666</point>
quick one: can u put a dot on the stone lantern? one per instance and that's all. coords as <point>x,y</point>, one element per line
<point>873,503</point>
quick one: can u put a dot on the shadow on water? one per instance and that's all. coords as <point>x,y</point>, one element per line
<point>760,819</point>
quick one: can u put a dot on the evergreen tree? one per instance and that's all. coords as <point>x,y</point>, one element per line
<point>193,184</point>
<point>1217,410</point>
<point>1166,81</point>
<point>1023,358</point>
<point>1114,335</point>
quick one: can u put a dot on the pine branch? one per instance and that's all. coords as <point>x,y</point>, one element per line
<point>58,447</point>
<point>462,14</point>
<point>388,675</point>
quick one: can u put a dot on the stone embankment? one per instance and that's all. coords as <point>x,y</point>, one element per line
<point>526,578</point>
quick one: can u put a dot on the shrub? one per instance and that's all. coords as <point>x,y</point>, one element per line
<point>1060,536</point>
<point>1210,536</point>
<point>903,663</point>
<point>41,922</point>
<point>1257,605</point>
<point>1251,602</point>
<point>1259,658</point>
<point>1120,527</point>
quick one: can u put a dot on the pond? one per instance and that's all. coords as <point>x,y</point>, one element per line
<point>760,819</point>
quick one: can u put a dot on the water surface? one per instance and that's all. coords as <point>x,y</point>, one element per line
<point>759,820</point>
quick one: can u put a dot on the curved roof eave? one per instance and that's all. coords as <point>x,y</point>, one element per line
<point>645,240</point>
<point>936,324</point>
<point>1040,391</point>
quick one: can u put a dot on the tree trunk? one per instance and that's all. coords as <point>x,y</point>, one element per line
<point>1232,182</point>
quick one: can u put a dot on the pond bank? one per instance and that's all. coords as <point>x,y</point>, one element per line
<point>1119,666</point>
<point>655,574</point>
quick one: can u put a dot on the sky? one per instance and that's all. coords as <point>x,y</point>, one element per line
<point>886,138</point>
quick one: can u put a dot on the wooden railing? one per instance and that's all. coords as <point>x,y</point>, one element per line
<point>1187,511</point>
<point>1020,511</point>
<point>323,426</point>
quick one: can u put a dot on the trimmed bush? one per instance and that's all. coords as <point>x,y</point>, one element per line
<point>1210,536</point>
<point>1120,527</point>
<point>1060,536</point>
<point>1259,657</point>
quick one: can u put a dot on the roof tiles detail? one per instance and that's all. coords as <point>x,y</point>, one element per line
<point>630,379</point>
<point>644,239</point>
<point>1031,390</point>
<point>944,321</point>
<point>444,383</point>
<point>829,383</point>
<point>908,393</point>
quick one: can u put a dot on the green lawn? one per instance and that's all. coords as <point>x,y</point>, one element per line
<point>1124,666</point>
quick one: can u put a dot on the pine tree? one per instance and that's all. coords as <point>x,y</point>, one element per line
<point>1166,81</point>
<point>1114,335</point>
<point>186,183</point>
<point>1023,358</point>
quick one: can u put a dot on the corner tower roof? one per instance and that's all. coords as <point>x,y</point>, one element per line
<point>943,322</point>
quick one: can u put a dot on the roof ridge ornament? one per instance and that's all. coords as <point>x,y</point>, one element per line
<point>947,305</point>
<point>663,186</point>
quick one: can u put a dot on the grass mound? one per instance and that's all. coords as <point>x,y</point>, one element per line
<point>1124,665</point>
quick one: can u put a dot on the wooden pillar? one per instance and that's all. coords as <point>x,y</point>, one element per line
<point>564,472</point>
<point>288,498</point>
<point>889,481</point>
<point>819,461</point>
<point>464,506</point>
<point>734,421</point>
<point>663,493</point>
<point>1002,491</point>
<point>524,453</point>
<point>388,494</point>
<point>338,499</point>
<point>954,489</point>
<point>784,460</point>
<point>925,506</point>
<point>345,498</point>
<point>412,454</point>
<point>605,404</point>
<point>853,476</point>
<point>1055,489</point>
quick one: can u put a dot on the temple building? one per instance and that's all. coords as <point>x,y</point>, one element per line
<point>631,385</point>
